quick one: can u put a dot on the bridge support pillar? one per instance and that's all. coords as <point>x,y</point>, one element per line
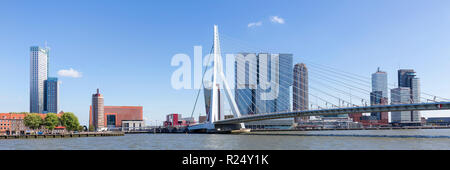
<point>217,128</point>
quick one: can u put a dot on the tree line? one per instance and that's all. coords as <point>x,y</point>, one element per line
<point>51,120</point>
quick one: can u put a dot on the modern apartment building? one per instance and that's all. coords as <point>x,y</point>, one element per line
<point>300,99</point>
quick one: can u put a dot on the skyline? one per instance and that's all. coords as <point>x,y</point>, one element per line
<point>93,53</point>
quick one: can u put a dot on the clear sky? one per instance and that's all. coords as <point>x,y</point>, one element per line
<point>125,47</point>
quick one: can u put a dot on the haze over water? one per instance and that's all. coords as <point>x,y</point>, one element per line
<point>435,139</point>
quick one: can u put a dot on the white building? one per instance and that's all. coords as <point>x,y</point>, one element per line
<point>415,83</point>
<point>402,95</point>
<point>128,125</point>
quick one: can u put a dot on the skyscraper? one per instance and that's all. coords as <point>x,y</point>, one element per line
<point>415,96</point>
<point>379,82</point>
<point>300,90</point>
<point>52,96</point>
<point>98,113</point>
<point>405,76</point>
<point>401,95</point>
<point>415,90</point>
<point>38,74</point>
<point>245,67</point>
<point>263,82</point>
<point>379,95</point>
<point>407,79</point>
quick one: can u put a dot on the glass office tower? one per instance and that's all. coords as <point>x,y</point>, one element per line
<point>263,82</point>
<point>52,96</point>
<point>38,74</point>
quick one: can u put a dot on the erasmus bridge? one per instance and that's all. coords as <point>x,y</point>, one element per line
<point>333,93</point>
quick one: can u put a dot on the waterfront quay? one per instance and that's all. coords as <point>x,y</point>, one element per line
<point>362,128</point>
<point>184,129</point>
<point>63,135</point>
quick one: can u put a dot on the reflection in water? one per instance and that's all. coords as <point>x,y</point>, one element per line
<point>346,140</point>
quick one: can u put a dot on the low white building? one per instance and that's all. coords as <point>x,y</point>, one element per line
<point>128,125</point>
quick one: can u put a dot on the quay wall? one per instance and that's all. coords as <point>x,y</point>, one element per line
<point>75,135</point>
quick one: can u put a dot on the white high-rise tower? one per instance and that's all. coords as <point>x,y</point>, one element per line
<point>214,88</point>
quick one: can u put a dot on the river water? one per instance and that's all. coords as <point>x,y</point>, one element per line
<point>417,139</point>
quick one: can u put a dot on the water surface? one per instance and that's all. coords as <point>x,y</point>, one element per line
<point>435,139</point>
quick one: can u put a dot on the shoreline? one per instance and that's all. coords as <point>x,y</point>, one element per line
<point>76,135</point>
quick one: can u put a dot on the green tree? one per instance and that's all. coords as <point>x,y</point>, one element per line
<point>51,121</point>
<point>70,121</point>
<point>33,121</point>
<point>91,128</point>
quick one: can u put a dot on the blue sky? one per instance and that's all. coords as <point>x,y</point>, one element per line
<point>125,47</point>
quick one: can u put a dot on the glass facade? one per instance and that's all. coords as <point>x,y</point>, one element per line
<point>401,96</point>
<point>407,79</point>
<point>38,74</point>
<point>263,82</point>
<point>379,82</point>
<point>52,95</point>
<point>405,76</point>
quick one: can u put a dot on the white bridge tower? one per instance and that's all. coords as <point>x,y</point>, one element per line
<point>213,93</point>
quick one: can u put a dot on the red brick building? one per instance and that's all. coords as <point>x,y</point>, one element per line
<point>12,123</point>
<point>367,121</point>
<point>115,114</point>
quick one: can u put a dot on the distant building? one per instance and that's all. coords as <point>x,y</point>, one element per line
<point>405,76</point>
<point>329,122</point>
<point>253,72</point>
<point>188,121</point>
<point>378,96</point>
<point>52,92</point>
<point>208,93</point>
<point>402,96</point>
<point>438,121</point>
<point>379,83</point>
<point>38,74</point>
<point>132,125</point>
<point>300,100</point>
<point>406,79</point>
<point>111,117</point>
<point>173,120</point>
<point>13,124</point>
<point>97,112</point>
<point>201,119</point>
<point>270,124</point>
<point>115,115</point>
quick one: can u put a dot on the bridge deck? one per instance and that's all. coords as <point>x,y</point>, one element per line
<point>337,111</point>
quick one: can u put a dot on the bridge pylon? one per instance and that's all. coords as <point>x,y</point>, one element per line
<point>212,94</point>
